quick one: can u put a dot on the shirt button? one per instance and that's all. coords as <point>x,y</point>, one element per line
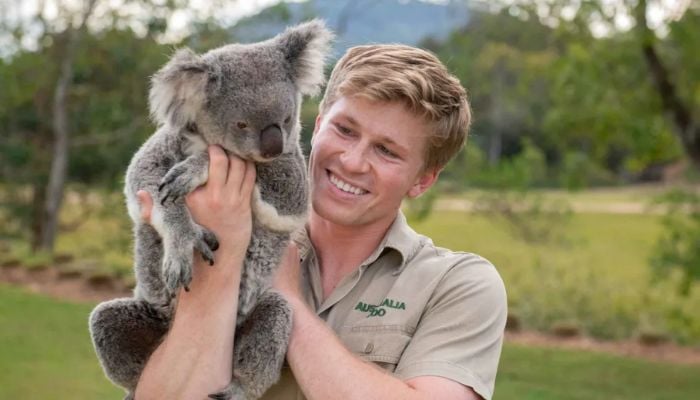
<point>369,348</point>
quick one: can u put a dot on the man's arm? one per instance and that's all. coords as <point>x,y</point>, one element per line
<point>325,369</point>
<point>196,357</point>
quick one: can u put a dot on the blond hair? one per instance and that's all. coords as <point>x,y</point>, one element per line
<point>415,77</point>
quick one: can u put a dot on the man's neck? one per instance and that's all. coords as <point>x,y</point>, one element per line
<point>340,249</point>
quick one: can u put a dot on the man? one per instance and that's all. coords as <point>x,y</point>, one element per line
<point>381,313</point>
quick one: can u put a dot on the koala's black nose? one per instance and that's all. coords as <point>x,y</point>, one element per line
<point>271,142</point>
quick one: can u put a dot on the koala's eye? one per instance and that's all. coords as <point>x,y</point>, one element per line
<point>286,120</point>
<point>242,125</point>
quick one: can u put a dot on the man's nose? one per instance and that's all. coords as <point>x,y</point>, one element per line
<point>354,159</point>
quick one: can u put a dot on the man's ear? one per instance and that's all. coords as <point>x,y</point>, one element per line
<point>423,183</point>
<point>317,126</point>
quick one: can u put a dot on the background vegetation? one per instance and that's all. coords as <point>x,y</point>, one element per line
<point>579,180</point>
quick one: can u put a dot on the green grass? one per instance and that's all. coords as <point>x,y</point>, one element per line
<point>530,373</point>
<point>599,277</point>
<point>45,350</point>
<point>46,354</point>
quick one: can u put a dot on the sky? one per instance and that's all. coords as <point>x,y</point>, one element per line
<point>16,10</point>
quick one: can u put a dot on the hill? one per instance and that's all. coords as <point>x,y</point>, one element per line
<point>360,21</point>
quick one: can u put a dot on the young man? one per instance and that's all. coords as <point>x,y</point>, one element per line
<point>381,313</point>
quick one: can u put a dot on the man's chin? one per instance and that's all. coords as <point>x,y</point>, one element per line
<point>337,216</point>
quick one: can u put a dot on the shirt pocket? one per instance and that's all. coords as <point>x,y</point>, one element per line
<point>382,345</point>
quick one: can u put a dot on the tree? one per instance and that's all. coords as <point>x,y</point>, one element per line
<point>504,62</point>
<point>60,129</point>
<point>603,17</point>
<point>69,87</point>
<point>686,123</point>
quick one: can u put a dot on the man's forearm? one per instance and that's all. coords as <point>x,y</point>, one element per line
<point>195,359</point>
<point>325,369</point>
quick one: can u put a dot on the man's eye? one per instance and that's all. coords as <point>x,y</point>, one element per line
<point>344,130</point>
<point>386,152</point>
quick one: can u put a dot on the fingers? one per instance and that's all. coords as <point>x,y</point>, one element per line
<point>236,171</point>
<point>145,205</point>
<point>248,180</point>
<point>218,167</point>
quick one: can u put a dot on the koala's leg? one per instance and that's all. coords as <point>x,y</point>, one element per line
<point>125,332</point>
<point>259,349</point>
<point>181,236</point>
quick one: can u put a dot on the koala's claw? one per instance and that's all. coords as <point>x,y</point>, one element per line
<point>162,201</point>
<point>177,268</point>
<point>232,392</point>
<point>210,239</point>
<point>178,182</point>
<point>207,254</point>
<point>206,244</point>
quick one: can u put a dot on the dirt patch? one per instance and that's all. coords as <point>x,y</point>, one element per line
<point>665,352</point>
<point>58,284</point>
<point>74,287</point>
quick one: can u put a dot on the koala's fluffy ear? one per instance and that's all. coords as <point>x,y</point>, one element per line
<point>306,47</point>
<point>178,90</point>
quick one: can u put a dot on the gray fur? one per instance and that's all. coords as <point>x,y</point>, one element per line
<point>245,98</point>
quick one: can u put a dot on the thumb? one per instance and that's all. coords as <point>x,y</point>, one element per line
<point>146,205</point>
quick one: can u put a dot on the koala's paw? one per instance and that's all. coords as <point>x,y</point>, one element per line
<point>206,243</point>
<point>177,267</point>
<point>233,391</point>
<point>177,183</point>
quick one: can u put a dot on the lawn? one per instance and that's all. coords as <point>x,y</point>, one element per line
<point>596,273</point>
<point>47,354</point>
<point>45,350</point>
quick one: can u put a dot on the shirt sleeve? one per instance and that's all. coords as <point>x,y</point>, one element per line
<point>460,334</point>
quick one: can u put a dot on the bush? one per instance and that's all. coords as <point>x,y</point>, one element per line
<point>679,247</point>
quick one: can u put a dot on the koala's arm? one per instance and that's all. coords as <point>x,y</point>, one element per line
<point>184,177</point>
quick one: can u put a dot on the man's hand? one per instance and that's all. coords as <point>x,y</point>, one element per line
<point>222,205</point>
<point>288,276</point>
<point>202,332</point>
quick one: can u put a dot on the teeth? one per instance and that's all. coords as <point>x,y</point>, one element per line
<point>346,187</point>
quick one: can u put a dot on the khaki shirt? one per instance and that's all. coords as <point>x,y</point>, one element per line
<point>413,309</point>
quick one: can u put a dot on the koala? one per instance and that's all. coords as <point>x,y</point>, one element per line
<point>245,98</point>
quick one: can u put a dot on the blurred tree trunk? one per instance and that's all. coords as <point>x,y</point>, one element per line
<point>60,127</point>
<point>687,129</point>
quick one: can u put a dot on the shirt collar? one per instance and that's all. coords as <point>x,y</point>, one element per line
<point>400,237</point>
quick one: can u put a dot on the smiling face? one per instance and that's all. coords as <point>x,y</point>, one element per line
<point>365,158</point>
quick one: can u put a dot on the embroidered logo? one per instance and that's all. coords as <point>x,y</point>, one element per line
<point>380,310</point>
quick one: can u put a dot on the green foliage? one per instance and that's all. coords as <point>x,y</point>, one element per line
<point>679,247</point>
<point>577,98</point>
<point>525,170</point>
<point>606,107</point>
<point>578,171</point>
